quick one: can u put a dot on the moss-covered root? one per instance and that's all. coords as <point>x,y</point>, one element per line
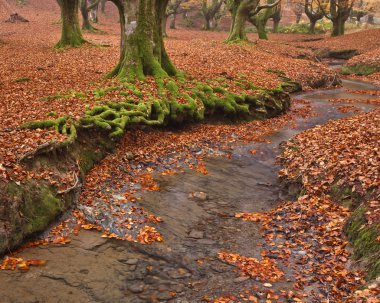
<point>364,240</point>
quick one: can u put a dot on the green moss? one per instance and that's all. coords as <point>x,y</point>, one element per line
<point>363,239</point>
<point>23,79</point>
<point>87,159</point>
<point>360,69</point>
<point>39,124</point>
<point>39,208</point>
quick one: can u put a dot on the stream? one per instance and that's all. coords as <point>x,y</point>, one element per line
<point>184,268</point>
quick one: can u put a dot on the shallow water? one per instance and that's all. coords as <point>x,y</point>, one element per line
<point>95,269</point>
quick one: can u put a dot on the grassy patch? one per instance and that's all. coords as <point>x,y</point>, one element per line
<point>360,69</point>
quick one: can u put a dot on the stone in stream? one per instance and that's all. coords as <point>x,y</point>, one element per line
<point>180,273</point>
<point>198,195</point>
<point>136,287</point>
<point>196,234</point>
<point>241,279</point>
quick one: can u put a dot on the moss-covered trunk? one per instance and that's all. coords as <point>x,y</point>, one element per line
<point>338,26</point>
<point>240,10</point>
<point>142,47</point>
<point>71,35</point>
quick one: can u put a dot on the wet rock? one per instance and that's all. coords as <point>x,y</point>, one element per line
<point>129,156</point>
<point>241,279</point>
<point>198,196</point>
<point>131,261</point>
<point>206,241</point>
<point>165,295</point>
<point>196,234</point>
<point>151,280</point>
<point>136,287</point>
<point>301,252</point>
<point>180,273</point>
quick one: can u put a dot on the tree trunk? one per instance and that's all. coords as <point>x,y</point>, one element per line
<point>173,21</point>
<point>142,47</point>
<point>371,19</point>
<point>312,26</point>
<point>103,6</point>
<point>260,25</point>
<point>276,24</point>
<point>240,13</point>
<point>298,18</point>
<point>207,25</point>
<point>86,25</point>
<point>338,27</point>
<point>94,12</point>
<point>163,24</point>
<point>71,33</point>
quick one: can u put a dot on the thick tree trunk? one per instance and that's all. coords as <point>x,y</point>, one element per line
<point>207,25</point>
<point>276,24</point>
<point>240,12</point>
<point>142,47</point>
<point>71,33</point>
<point>338,27</point>
<point>312,26</point>
<point>260,25</point>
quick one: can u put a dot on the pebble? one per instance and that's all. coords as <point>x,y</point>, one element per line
<point>132,261</point>
<point>179,273</point>
<point>165,295</point>
<point>241,279</point>
<point>198,195</point>
<point>196,234</point>
<point>136,287</point>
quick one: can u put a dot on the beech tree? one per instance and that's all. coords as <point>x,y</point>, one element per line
<point>209,10</point>
<point>142,47</point>
<point>298,7</point>
<point>85,10</point>
<point>314,13</point>
<point>71,35</point>
<point>260,19</point>
<point>338,12</point>
<point>242,11</point>
<point>171,10</point>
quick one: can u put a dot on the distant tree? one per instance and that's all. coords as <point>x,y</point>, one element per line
<point>260,19</point>
<point>314,13</point>
<point>298,7</point>
<point>85,11</point>
<point>210,8</point>
<point>276,17</point>
<point>242,11</point>
<point>71,35</point>
<point>338,12</point>
<point>171,10</point>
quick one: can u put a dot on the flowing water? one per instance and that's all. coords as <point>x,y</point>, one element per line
<point>183,268</point>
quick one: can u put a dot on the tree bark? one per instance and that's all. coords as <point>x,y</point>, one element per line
<point>103,6</point>
<point>173,21</point>
<point>86,25</point>
<point>71,35</point>
<point>240,10</point>
<point>142,47</point>
<point>312,26</point>
<point>338,27</point>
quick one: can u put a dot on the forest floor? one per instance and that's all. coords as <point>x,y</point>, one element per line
<point>39,82</point>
